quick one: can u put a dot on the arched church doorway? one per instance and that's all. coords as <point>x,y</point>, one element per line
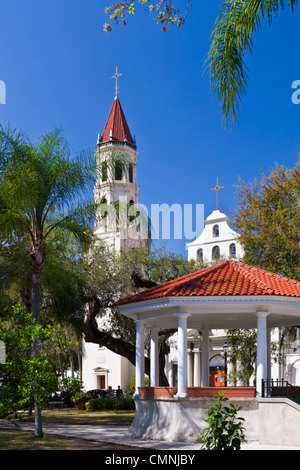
<point>216,371</point>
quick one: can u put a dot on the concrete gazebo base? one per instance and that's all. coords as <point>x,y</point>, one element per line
<point>171,418</point>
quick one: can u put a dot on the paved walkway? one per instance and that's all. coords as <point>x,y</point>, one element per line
<point>118,435</point>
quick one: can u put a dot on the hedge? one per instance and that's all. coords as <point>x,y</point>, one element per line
<point>110,403</point>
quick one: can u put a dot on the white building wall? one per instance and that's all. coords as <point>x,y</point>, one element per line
<point>89,363</point>
<point>216,233</point>
<point>97,361</point>
<point>293,369</point>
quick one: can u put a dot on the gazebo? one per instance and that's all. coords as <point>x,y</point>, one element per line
<point>226,296</point>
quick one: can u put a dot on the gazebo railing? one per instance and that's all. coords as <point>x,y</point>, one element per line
<point>279,388</point>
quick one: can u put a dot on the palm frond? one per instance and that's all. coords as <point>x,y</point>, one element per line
<point>43,186</point>
<point>231,39</point>
<point>77,220</point>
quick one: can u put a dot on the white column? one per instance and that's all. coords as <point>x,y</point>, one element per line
<point>276,366</point>
<point>205,359</point>
<point>139,357</point>
<point>154,357</point>
<point>269,359</point>
<point>190,366</point>
<point>196,365</point>
<point>282,362</point>
<point>261,362</point>
<point>230,370</point>
<point>239,366</point>
<point>182,356</point>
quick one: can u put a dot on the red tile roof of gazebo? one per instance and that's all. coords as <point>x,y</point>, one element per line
<point>225,279</point>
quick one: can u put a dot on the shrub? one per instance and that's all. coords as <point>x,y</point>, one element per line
<point>225,431</point>
<point>80,396</point>
<point>110,403</point>
<point>70,387</point>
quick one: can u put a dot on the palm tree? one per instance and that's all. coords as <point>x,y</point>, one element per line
<point>42,190</point>
<point>231,38</point>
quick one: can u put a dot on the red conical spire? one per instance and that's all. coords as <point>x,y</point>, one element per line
<point>116,127</point>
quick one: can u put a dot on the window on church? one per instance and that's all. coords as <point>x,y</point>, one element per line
<point>215,230</point>
<point>118,171</point>
<point>104,171</point>
<point>232,250</point>
<point>130,171</point>
<point>131,215</point>
<point>200,254</point>
<point>216,252</point>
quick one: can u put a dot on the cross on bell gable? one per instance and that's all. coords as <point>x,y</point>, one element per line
<point>217,188</point>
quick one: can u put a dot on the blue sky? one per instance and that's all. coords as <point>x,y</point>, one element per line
<point>57,64</point>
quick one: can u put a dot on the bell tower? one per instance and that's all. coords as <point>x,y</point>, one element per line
<point>116,184</point>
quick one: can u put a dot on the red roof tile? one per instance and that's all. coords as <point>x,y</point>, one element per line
<point>116,122</point>
<point>225,279</point>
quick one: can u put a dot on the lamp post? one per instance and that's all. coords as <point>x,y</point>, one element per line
<point>225,349</point>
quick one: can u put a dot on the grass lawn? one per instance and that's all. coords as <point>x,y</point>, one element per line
<point>11,439</point>
<point>74,416</point>
<point>24,440</point>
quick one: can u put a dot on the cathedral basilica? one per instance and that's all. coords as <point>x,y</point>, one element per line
<point>116,155</point>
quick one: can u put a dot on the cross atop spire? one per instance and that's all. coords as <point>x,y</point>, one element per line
<point>217,189</point>
<point>116,76</point>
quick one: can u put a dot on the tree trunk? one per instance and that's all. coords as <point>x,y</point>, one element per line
<point>35,309</point>
<point>79,365</point>
<point>61,367</point>
<point>162,378</point>
<point>36,295</point>
<point>92,334</point>
<point>72,365</point>
<point>37,254</point>
<point>71,359</point>
<point>38,431</point>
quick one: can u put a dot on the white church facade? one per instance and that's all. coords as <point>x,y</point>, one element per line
<point>218,240</point>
